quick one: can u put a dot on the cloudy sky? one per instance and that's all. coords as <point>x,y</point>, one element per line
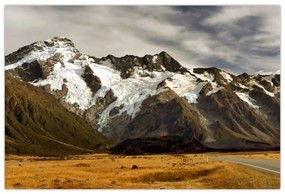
<point>235,38</point>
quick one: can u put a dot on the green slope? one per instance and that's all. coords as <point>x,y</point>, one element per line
<point>36,124</point>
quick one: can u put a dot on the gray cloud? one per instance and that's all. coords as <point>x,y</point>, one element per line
<point>235,38</point>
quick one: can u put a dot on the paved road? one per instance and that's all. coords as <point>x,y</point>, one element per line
<point>270,166</point>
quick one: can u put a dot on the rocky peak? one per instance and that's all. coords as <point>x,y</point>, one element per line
<point>170,63</point>
<point>243,78</point>
<point>158,62</point>
<point>40,46</point>
<point>18,55</point>
<point>214,74</point>
<point>58,42</point>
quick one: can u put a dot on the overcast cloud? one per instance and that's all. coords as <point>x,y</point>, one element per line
<point>235,38</point>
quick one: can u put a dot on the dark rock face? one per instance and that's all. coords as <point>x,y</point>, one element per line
<point>34,70</point>
<point>244,76</point>
<point>92,81</point>
<point>18,55</point>
<point>276,80</point>
<point>171,64</point>
<point>28,72</point>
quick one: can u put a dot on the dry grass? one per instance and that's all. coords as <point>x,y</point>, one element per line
<point>113,171</point>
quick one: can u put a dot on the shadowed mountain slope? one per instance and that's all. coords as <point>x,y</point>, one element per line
<point>35,123</point>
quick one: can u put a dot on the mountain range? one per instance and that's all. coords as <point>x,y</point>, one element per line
<point>57,98</point>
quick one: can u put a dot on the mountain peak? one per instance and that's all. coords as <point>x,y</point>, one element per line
<point>41,49</point>
<point>164,53</point>
<point>56,41</point>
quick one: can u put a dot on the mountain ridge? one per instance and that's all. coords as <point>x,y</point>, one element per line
<point>120,93</point>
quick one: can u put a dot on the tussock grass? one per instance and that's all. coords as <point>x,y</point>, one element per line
<point>103,171</point>
<point>177,175</point>
<point>82,165</point>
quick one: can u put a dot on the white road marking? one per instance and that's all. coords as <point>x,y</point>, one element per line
<point>252,166</point>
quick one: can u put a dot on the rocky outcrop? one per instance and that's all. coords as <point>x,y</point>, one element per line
<point>92,115</point>
<point>215,72</point>
<point>19,54</point>
<point>92,81</point>
<point>48,65</point>
<point>207,88</point>
<point>276,80</point>
<point>28,72</point>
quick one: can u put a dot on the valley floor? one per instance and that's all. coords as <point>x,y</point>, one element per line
<point>165,171</point>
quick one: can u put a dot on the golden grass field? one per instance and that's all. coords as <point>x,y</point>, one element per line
<point>165,171</point>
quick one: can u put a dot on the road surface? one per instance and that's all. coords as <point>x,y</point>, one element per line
<point>265,165</point>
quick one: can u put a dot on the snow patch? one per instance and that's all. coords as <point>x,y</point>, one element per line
<point>243,86</point>
<point>246,98</point>
<point>266,92</point>
<point>268,78</point>
<point>252,82</point>
<point>226,76</point>
<point>205,76</point>
<point>209,78</point>
<point>130,92</point>
<point>214,90</point>
<point>78,92</point>
<point>154,59</point>
<point>186,86</point>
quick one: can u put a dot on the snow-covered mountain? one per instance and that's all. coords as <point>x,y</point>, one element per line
<point>153,96</point>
